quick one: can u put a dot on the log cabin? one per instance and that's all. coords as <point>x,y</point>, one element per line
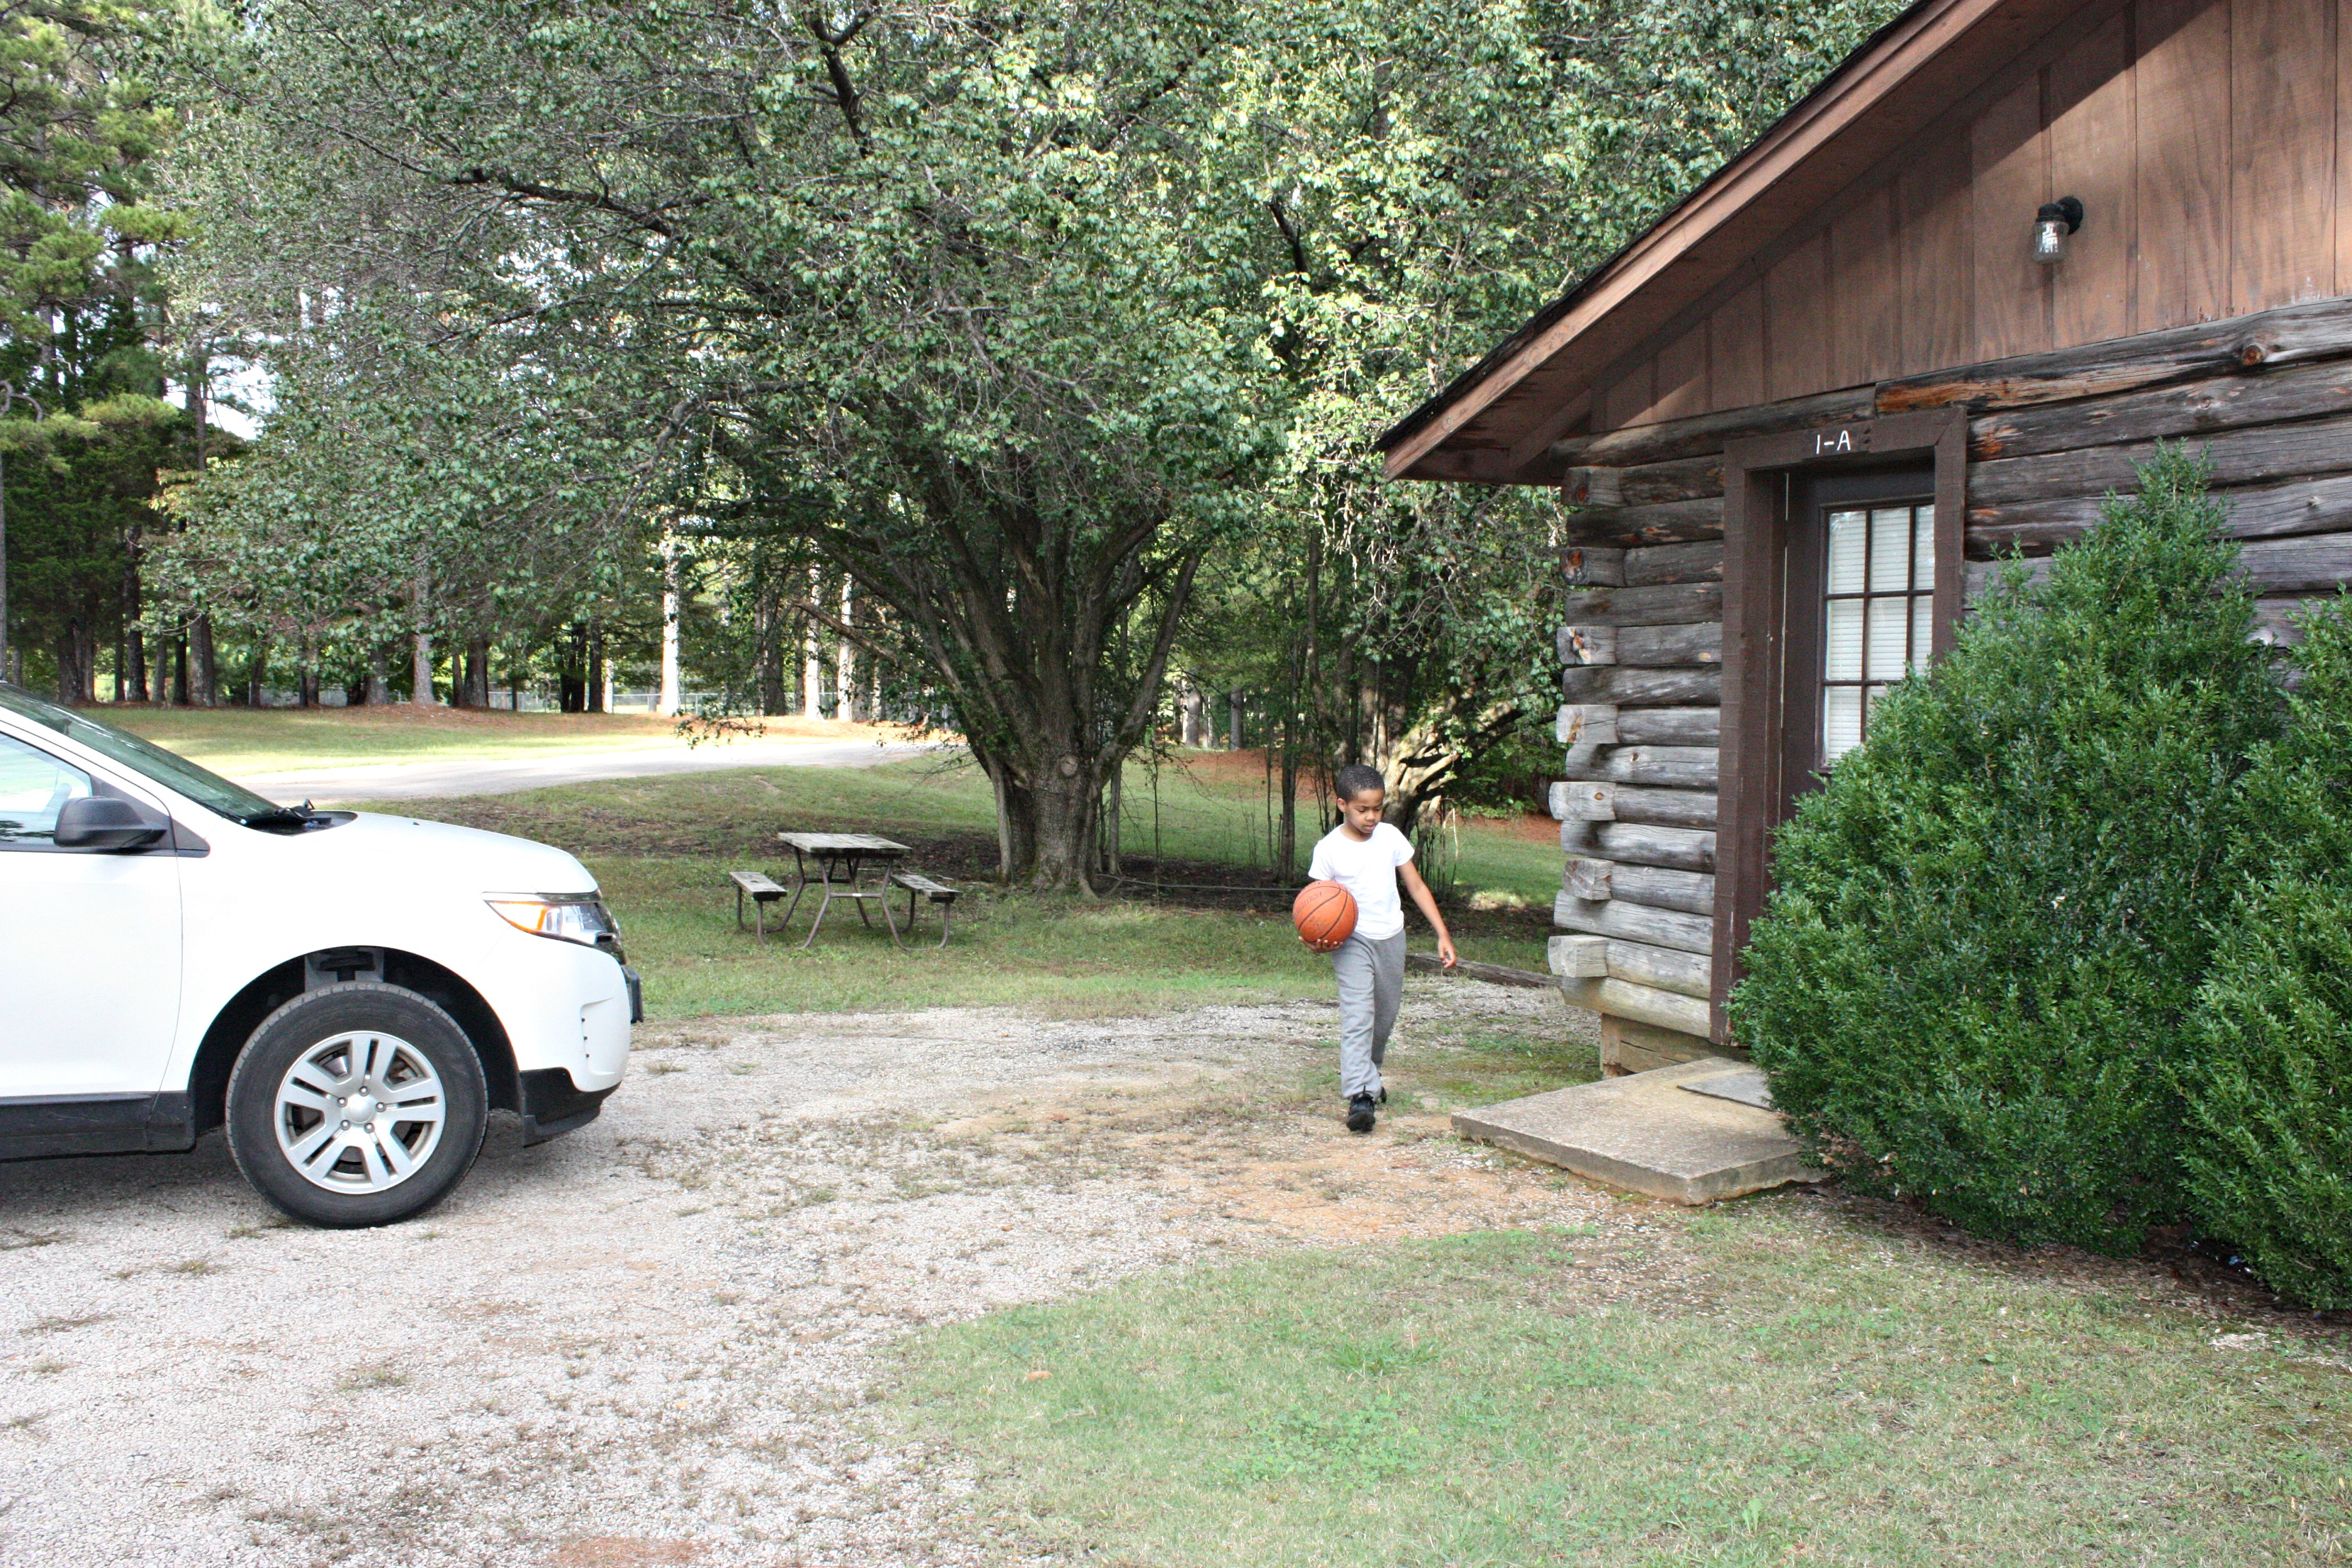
<point>1928,320</point>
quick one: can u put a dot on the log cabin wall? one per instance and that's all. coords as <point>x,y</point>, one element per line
<point>2267,396</point>
<point>2210,141</point>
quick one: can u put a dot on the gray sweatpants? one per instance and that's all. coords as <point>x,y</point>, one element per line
<point>1372,983</point>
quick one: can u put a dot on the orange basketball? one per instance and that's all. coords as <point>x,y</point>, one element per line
<point>1325,914</point>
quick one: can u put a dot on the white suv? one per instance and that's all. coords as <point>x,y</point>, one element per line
<point>350,994</point>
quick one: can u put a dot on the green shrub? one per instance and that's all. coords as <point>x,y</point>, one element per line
<point>2268,1082</point>
<point>1992,922</point>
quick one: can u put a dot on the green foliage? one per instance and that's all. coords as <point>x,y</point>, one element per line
<point>1992,922</point>
<point>83,428</point>
<point>2268,1157</point>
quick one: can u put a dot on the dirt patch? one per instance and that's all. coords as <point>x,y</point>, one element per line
<point>653,1341</point>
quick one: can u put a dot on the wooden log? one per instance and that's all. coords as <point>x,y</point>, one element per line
<point>2277,621</point>
<point>2319,330</point>
<point>1492,974</point>
<point>1591,566</point>
<point>1668,647</point>
<point>1661,807</point>
<point>2256,512</point>
<point>1664,767</point>
<point>1635,922</point>
<point>1587,724</point>
<point>1630,686</point>
<point>2278,567</point>
<point>1583,802</point>
<point>1666,523</point>
<point>2319,563</point>
<point>1578,957</point>
<point>1663,968</point>
<point>1682,479</point>
<point>1655,564</point>
<point>1690,892</point>
<point>1678,604</point>
<point>1590,488</point>
<point>2197,408</point>
<point>1640,843</point>
<point>2266,452</point>
<point>1704,433</point>
<point>1669,726</point>
<point>1587,645</point>
<point>1586,880</point>
<point>1642,1003</point>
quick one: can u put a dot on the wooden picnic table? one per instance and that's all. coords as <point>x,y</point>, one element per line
<point>843,860</point>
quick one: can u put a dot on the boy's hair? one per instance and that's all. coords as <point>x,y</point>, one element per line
<point>1355,779</point>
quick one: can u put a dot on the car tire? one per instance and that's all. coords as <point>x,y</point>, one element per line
<point>355,1105</point>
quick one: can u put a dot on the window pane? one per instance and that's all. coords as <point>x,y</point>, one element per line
<point>1844,661</point>
<point>1890,549</point>
<point>33,787</point>
<point>1890,624</point>
<point>1841,722</point>
<point>1923,549</point>
<point>1845,552</point>
<point>1922,630</point>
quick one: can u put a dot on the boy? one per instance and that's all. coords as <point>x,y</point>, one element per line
<point>1367,857</point>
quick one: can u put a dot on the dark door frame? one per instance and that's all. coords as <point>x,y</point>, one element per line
<point>1756,475</point>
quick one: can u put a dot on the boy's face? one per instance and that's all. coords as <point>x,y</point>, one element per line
<point>1363,811</point>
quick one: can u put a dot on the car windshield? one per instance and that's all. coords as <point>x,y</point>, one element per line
<point>174,771</point>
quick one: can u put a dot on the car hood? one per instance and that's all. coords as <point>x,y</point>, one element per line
<point>440,852</point>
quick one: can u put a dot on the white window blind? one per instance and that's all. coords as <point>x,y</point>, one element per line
<point>1879,615</point>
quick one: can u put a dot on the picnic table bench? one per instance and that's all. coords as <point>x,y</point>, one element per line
<point>919,886</point>
<point>763,892</point>
<point>854,866</point>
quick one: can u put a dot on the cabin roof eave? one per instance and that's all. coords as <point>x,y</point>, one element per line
<point>1908,72</point>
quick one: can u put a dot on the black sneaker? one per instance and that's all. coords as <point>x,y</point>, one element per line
<point>1360,1114</point>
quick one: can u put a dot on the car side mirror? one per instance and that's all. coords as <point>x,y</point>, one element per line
<point>106,822</point>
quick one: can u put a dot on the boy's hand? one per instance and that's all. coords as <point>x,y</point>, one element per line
<point>1445,953</point>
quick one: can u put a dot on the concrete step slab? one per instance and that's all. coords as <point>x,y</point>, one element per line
<point>1641,1131</point>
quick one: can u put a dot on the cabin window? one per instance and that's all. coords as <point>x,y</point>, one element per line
<point>1878,612</point>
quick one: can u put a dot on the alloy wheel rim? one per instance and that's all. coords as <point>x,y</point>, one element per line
<point>360,1113</point>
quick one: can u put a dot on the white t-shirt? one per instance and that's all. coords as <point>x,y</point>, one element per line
<point>1367,869</point>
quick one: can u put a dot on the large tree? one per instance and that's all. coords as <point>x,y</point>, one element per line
<point>1019,318</point>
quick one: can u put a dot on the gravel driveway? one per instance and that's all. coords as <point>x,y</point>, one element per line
<point>650,1341</point>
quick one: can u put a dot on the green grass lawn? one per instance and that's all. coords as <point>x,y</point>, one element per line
<point>661,848</point>
<point>1771,1384</point>
<point>243,741</point>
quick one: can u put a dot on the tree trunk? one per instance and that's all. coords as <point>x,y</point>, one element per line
<point>769,631</point>
<point>420,671</point>
<point>1065,805</point>
<point>77,654</point>
<point>256,673</point>
<point>812,656</point>
<point>671,696</point>
<point>845,664</point>
<point>135,643</point>
<point>379,677</point>
<point>572,672</point>
<point>204,667</point>
<point>1236,704</point>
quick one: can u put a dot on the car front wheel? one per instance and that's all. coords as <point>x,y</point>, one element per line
<point>356,1105</point>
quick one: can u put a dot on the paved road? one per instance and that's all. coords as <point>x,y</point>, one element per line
<point>428,781</point>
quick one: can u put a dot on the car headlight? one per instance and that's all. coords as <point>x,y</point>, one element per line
<point>567,917</point>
